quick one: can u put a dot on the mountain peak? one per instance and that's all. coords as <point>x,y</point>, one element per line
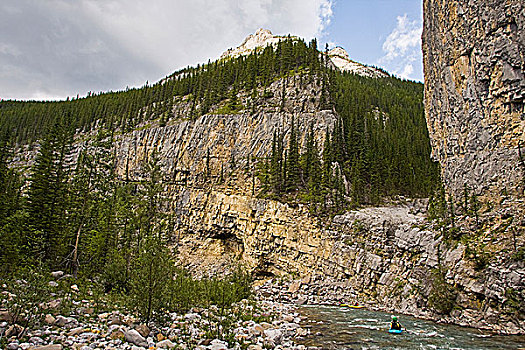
<point>339,56</point>
<point>339,51</point>
<point>341,59</point>
<point>261,38</point>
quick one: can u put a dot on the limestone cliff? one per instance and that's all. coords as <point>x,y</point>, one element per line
<point>389,257</point>
<point>474,58</point>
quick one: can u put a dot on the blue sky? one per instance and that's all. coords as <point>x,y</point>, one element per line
<point>58,48</point>
<point>362,27</point>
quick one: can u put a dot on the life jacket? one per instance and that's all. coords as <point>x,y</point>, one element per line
<point>395,325</point>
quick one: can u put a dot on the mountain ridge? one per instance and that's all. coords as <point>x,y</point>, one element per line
<point>339,57</point>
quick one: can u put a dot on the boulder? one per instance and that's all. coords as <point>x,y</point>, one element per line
<point>274,335</point>
<point>134,337</point>
<point>217,344</point>
<point>48,347</point>
<point>113,319</point>
<point>12,346</point>
<point>36,340</point>
<point>143,330</point>
<point>50,319</point>
<point>5,316</point>
<point>116,334</point>
<point>165,344</point>
<point>13,330</point>
<point>62,321</point>
<point>255,347</point>
<point>57,274</point>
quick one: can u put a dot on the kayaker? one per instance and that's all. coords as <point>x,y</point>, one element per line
<point>395,324</point>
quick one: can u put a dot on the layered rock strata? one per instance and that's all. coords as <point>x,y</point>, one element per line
<point>384,257</point>
<point>474,59</point>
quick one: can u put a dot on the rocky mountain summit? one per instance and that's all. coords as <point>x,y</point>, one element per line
<point>339,57</point>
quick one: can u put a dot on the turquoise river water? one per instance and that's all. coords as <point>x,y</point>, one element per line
<point>333,327</point>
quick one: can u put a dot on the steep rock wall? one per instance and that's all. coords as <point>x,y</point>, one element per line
<point>387,257</point>
<point>474,59</point>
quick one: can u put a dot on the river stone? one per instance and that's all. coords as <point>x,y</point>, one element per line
<point>57,274</point>
<point>301,332</point>
<point>165,344</point>
<point>114,319</point>
<point>36,340</point>
<point>49,319</point>
<point>134,337</point>
<point>48,347</point>
<point>274,335</point>
<point>217,344</point>
<point>116,334</point>
<point>5,316</point>
<point>13,330</point>
<point>255,347</point>
<point>143,330</point>
<point>62,321</point>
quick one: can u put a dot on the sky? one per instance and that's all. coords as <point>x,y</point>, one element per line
<point>53,49</point>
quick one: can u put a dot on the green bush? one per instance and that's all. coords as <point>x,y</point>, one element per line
<point>442,297</point>
<point>28,293</point>
<point>150,279</point>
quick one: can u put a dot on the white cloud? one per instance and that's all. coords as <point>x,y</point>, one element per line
<point>402,47</point>
<point>72,47</point>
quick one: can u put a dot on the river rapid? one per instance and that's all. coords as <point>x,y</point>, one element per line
<point>333,327</point>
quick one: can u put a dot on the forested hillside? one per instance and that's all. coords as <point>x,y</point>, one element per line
<point>76,212</point>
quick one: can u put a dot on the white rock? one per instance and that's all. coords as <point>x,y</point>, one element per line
<point>217,344</point>
<point>165,344</point>
<point>134,337</point>
<point>274,335</point>
<point>12,346</point>
<point>57,274</point>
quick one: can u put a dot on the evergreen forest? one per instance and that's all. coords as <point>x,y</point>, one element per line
<point>79,216</point>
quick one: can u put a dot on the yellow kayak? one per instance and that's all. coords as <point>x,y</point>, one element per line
<point>352,306</point>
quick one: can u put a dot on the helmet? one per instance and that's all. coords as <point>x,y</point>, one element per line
<point>394,318</point>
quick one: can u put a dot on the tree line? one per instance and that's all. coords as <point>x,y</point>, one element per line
<point>80,214</point>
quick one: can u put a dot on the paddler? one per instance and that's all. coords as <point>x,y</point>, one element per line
<point>395,324</point>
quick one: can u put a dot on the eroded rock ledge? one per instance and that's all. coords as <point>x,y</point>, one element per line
<point>386,257</point>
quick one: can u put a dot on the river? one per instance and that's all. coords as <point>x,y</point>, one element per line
<point>334,327</point>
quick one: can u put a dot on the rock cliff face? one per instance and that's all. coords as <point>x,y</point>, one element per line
<point>386,257</point>
<point>474,59</point>
<point>233,142</point>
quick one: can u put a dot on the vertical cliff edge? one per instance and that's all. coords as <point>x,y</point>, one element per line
<point>474,58</point>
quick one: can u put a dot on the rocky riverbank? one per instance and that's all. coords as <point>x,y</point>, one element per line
<point>251,324</point>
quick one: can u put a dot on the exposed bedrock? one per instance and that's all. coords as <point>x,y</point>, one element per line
<point>474,59</point>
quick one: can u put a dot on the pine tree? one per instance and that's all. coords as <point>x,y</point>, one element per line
<point>293,171</point>
<point>47,196</point>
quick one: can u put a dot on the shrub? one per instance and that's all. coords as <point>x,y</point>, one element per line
<point>28,292</point>
<point>442,294</point>
<point>150,279</point>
